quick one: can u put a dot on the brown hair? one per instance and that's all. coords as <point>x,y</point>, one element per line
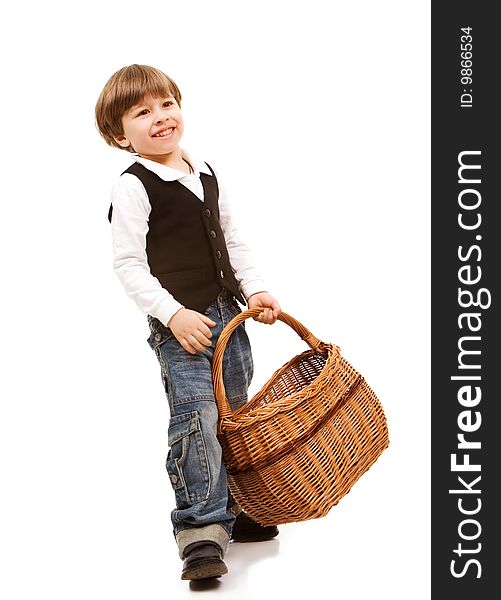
<point>124,89</point>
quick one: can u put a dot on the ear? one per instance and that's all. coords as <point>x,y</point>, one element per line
<point>121,140</point>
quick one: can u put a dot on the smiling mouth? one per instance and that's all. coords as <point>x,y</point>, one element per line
<point>164,133</point>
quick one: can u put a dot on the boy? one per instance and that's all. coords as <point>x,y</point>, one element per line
<point>180,259</point>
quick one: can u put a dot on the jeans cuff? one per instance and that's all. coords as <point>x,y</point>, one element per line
<point>210,533</point>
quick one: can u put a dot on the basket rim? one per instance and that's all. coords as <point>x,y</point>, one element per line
<point>246,415</point>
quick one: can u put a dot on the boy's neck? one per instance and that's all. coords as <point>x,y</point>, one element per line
<point>173,159</point>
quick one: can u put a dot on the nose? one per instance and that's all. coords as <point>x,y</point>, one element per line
<point>162,116</point>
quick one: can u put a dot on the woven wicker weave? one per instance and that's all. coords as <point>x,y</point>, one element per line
<point>298,446</point>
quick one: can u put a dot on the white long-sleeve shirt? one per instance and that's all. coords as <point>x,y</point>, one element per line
<point>129,226</point>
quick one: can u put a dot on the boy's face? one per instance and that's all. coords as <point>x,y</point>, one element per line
<point>153,128</point>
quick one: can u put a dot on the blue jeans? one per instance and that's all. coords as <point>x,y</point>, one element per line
<point>194,463</point>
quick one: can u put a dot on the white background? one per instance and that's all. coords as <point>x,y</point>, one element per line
<point>317,116</point>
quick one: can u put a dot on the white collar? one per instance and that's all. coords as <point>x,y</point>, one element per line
<point>168,173</point>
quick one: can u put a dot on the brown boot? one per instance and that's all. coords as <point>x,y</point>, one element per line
<point>203,560</point>
<point>246,529</point>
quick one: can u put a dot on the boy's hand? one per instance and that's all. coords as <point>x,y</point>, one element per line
<point>269,304</point>
<point>191,329</point>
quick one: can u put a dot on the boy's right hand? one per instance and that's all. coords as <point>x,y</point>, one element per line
<point>191,329</point>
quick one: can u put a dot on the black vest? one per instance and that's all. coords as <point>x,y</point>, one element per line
<point>185,244</point>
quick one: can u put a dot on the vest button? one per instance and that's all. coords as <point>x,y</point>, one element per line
<point>218,254</point>
<point>207,212</point>
<point>174,479</point>
<point>158,336</point>
<point>212,233</point>
<point>221,274</point>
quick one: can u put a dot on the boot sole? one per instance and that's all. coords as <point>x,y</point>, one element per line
<point>205,570</point>
<point>250,538</point>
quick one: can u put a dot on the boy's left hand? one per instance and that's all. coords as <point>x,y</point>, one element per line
<point>269,305</point>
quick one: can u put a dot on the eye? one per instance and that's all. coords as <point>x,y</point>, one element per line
<point>142,112</point>
<point>168,103</point>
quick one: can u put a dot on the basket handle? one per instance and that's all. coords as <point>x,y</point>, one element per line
<point>223,405</point>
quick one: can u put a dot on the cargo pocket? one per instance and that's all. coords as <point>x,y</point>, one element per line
<point>187,463</point>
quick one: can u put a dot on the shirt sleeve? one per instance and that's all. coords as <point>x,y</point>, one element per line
<point>247,275</point>
<point>129,226</point>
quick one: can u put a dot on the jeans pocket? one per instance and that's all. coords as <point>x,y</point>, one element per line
<point>234,309</point>
<point>159,335</point>
<point>187,463</point>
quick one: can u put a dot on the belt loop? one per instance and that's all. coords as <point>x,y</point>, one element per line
<point>219,304</point>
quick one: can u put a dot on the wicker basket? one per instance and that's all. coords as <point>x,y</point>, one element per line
<point>298,446</point>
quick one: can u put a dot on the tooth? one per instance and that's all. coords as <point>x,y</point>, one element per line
<point>164,133</point>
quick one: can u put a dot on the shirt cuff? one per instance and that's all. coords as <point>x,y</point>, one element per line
<point>166,311</point>
<point>253,287</point>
